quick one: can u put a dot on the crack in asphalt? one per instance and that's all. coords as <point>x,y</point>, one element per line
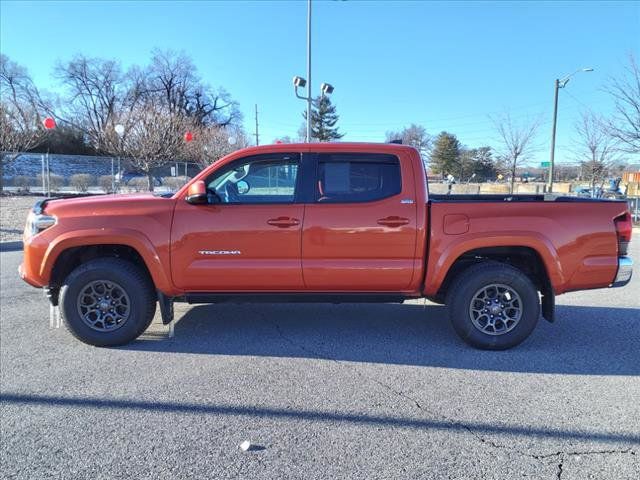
<point>453,422</point>
<point>559,474</point>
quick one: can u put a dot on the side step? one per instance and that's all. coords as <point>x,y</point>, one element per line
<point>294,298</point>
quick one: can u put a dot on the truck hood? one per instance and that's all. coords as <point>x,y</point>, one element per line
<point>102,204</point>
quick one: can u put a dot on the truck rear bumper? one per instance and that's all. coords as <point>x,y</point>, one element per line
<point>625,270</point>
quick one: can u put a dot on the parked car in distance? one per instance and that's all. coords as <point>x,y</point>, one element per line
<point>330,222</point>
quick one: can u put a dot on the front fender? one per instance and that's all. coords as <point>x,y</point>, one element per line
<point>154,258</point>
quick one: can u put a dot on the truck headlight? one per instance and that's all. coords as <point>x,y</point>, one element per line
<point>37,222</point>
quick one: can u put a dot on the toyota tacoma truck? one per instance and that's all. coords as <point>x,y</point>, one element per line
<point>330,222</point>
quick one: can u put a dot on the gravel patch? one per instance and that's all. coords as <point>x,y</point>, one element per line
<point>13,214</point>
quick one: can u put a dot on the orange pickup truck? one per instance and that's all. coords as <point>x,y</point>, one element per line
<point>331,222</point>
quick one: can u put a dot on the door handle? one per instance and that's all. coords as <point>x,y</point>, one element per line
<point>393,221</point>
<point>283,222</point>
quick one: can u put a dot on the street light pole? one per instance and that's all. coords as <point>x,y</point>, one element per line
<point>553,136</point>
<point>559,83</point>
<point>309,71</point>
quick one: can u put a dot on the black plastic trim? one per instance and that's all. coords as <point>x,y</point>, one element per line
<point>287,297</point>
<point>166,307</point>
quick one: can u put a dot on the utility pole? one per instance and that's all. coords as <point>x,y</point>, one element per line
<point>553,137</point>
<point>257,137</point>
<point>309,71</point>
<point>559,83</point>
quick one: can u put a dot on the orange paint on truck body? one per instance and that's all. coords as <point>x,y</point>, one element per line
<point>402,243</point>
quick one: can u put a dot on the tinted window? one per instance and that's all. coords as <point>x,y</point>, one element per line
<point>357,177</point>
<point>256,180</point>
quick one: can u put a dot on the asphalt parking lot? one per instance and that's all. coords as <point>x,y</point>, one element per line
<point>322,391</point>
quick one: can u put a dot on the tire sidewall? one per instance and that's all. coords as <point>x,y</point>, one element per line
<point>473,281</point>
<point>139,307</point>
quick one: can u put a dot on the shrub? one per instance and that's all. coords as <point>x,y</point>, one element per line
<point>81,181</point>
<point>23,182</point>
<point>175,183</point>
<point>56,182</point>
<point>106,183</point>
<point>139,184</point>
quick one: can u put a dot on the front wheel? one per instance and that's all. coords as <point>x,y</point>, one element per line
<point>493,306</point>
<point>107,302</point>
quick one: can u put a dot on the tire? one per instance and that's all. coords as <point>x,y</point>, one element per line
<point>495,325</point>
<point>114,295</point>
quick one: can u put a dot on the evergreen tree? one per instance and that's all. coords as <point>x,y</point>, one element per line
<point>446,155</point>
<point>323,120</point>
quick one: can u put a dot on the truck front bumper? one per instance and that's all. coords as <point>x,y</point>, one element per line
<point>625,270</point>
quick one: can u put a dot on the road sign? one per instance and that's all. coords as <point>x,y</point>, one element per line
<point>545,164</point>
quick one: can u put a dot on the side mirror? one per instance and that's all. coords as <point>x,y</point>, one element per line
<point>243,187</point>
<point>197,193</point>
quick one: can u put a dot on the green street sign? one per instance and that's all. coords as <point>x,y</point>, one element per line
<point>545,164</point>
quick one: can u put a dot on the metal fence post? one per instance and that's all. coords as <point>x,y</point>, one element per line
<point>48,176</point>
<point>44,189</point>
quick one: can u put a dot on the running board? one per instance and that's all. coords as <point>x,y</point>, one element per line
<point>294,298</point>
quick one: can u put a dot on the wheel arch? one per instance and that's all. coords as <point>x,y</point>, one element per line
<point>69,251</point>
<point>524,258</point>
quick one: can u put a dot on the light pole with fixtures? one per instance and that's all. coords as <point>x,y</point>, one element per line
<point>559,83</point>
<point>325,89</point>
<point>299,82</point>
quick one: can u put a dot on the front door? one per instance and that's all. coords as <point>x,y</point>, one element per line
<point>360,233</point>
<point>248,237</point>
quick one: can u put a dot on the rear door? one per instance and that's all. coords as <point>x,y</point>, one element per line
<point>249,237</point>
<point>359,233</point>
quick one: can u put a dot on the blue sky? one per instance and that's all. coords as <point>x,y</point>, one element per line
<point>445,65</point>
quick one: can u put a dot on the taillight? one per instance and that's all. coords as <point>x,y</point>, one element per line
<point>624,227</point>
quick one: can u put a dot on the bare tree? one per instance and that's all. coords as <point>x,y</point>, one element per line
<point>517,142</point>
<point>154,137</point>
<point>96,92</point>
<point>415,136</point>
<point>20,118</point>
<point>625,123</point>
<point>210,144</point>
<point>286,139</point>
<point>595,149</point>
<point>172,81</point>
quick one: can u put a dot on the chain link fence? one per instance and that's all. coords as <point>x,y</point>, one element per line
<point>69,174</point>
<point>52,173</point>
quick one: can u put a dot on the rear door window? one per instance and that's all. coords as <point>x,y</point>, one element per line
<point>345,178</point>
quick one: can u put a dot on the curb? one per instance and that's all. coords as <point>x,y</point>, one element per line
<point>10,246</point>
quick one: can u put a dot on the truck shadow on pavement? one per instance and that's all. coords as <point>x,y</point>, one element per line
<point>582,341</point>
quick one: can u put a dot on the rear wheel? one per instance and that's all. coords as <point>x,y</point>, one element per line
<point>107,302</point>
<point>493,306</point>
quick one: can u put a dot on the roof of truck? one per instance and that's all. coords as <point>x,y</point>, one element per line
<point>327,147</point>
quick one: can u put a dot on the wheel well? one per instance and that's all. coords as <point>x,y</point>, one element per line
<point>73,257</point>
<point>524,259</point>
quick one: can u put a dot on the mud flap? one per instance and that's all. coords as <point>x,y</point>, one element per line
<point>166,308</point>
<point>549,306</point>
